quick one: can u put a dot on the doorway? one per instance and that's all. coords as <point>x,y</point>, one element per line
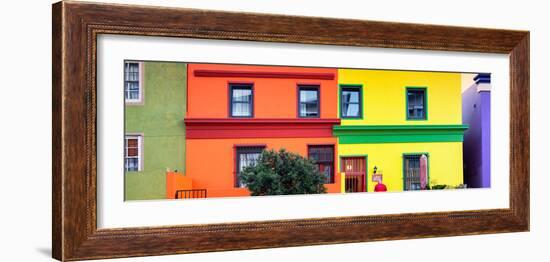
<point>355,170</point>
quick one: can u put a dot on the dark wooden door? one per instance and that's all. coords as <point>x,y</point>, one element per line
<point>355,170</point>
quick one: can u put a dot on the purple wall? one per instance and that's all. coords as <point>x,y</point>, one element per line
<point>476,113</point>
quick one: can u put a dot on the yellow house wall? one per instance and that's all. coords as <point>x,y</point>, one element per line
<point>384,96</point>
<point>444,161</point>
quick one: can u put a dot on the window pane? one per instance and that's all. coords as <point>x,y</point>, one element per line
<point>133,86</point>
<point>321,153</point>
<point>327,171</point>
<point>131,78</point>
<point>351,100</point>
<point>415,106</point>
<point>132,142</point>
<point>132,164</point>
<point>308,102</point>
<point>242,95</point>
<point>309,109</point>
<point>248,160</point>
<point>246,156</point>
<point>350,110</point>
<point>308,96</point>
<point>241,99</point>
<point>133,95</point>
<point>241,109</point>
<point>131,153</point>
<point>131,71</point>
<point>323,156</point>
<point>350,96</point>
<point>132,91</point>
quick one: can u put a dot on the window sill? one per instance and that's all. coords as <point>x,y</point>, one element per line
<point>134,103</point>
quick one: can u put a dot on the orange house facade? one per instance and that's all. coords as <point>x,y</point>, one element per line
<point>234,112</point>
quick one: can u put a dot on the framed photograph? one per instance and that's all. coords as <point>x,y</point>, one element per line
<point>180,130</point>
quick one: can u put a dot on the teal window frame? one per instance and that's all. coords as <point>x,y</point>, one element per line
<point>425,90</point>
<point>403,169</point>
<point>361,101</point>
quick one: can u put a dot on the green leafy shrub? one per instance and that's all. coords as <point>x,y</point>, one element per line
<point>283,173</point>
<point>437,187</point>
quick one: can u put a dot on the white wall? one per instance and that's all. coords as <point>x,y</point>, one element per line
<point>25,136</point>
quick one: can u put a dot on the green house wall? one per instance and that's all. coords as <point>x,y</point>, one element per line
<point>160,120</point>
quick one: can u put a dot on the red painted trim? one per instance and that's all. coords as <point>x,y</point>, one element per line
<point>240,82</point>
<point>256,74</point>
<point>333,121</point>
<point>202,128</point>
<point>308,83</point>
<point>328,144</point>
<point>250,145</point>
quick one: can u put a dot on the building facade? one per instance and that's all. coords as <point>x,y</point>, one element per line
<point>191,128</point>
<point>234,112</point>
<point>390,120</point>
<point>155,99</point>
<point>476,112</point>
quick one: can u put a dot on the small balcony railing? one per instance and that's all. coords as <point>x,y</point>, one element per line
<point>191,193</point>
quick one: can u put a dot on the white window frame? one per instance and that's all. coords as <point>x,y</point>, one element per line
<point>140,151</point>
<point>140,99</point>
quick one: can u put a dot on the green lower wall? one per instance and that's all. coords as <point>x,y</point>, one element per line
<point>160,120</point>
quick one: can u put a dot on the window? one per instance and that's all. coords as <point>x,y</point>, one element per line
<point>351,102</point>
<point>308,101</point>
<point>246,156</point>
<point>132,85</point>
<point>132,153</point>
<point>242,100</point>
<point>412,171</point>
<point>323,156</point>
<point>416,104</point>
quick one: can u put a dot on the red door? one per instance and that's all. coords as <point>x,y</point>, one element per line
<point>355,169</point>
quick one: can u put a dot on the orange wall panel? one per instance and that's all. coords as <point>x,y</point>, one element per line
<point>176,181</point>
<point>273,97</point>
<point>211,162</point>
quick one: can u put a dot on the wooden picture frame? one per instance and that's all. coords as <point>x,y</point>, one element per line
<point>76,26</point>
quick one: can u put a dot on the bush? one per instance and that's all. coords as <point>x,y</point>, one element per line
<point>283,173</point>
<point>438,187</point>
<point>442,186</point>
